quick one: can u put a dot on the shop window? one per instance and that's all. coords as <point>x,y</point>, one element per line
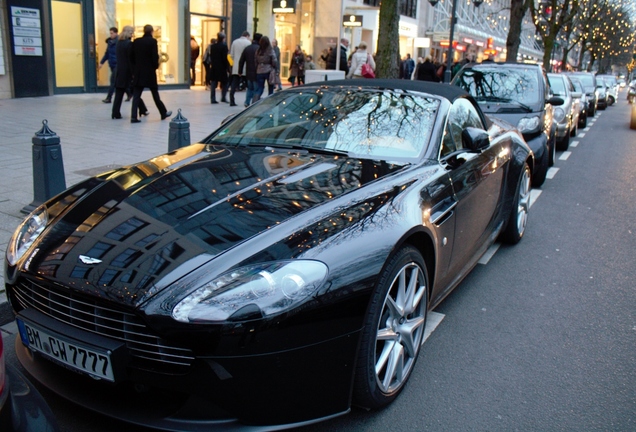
<point>167,18</point>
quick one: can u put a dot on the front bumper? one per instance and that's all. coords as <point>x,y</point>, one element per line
<point>254,392</point>
<point>562,130</point>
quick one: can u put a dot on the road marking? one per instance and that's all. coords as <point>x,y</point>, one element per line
<point>587,129</point>
<point>552,172</point>
<point>534,195</point>
<point>581,135</point>
<point>565,155</point>
<point>574,143</point>
<point>492,250</point>
<point>432,321</point>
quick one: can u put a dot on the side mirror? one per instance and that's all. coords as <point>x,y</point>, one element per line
<point>474,139</point>
<point>556,101</point>
<point>576,95</point>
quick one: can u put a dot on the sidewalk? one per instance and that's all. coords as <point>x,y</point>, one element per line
<point>91,142</point>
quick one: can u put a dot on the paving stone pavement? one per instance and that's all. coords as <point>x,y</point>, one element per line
<point>90,140</point>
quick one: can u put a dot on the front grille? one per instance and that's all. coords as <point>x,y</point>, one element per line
<point>148,351</point>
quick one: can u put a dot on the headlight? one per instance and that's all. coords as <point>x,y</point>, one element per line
<point>528,124</point>
<point>28,231</point>
<point>252,292</point>
<point>559,114</point>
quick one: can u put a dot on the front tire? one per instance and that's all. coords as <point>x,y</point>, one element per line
<point>541,168</point>
<point>518,219</point>
<point>393,330</point>
<point>564,143</point>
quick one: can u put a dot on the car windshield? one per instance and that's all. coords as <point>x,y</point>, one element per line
<point>587,80</point>
<point>366,123</point>
<point>577,85</point>
<point>557,85</point>
<point>502,84</point>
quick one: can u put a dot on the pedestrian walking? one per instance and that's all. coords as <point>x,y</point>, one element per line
<point>195,50</point>
<point>123,79</point>
<point>426,71</point>
<point>309,63</point>
<point>144,59</point>
<point>236,50</point>
<point>207,63</point>
<point>409,67</point>
<point>331,61</point>
<point>279,85</point>
<point>248,61</point>
<point>265,64</point>
<point>297,67</point>
<point>110,56</point>
<point>360,57</point>
<point>220,68</point>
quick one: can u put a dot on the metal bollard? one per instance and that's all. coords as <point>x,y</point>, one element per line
<point>48,167</point>
<point>179,135</point>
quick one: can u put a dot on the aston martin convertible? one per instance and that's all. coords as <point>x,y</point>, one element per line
<point>278,272</point>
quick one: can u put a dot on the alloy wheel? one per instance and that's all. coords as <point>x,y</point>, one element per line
<point>400,328</point>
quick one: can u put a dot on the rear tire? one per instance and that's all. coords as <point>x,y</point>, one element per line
<point>518,219</point>
<point>393,330</point>
<point>583,121</point>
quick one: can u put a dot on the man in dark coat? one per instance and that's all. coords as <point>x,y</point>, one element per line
<point>220,68</point>
<point>426,71</point>
<point>123,80</point>
<point>110,55</point>
<point>344,65</point>
<point>144,59</point>
<point>248,60</point>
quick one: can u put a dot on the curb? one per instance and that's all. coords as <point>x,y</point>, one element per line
<point>6,313</point>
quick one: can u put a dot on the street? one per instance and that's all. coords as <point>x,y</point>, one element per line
<point>540,336</point>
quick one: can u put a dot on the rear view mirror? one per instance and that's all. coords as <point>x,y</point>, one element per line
<point>474,139</point>
<point>556,101</point>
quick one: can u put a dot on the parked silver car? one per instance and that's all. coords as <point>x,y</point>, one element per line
<point>611,85</point>
<point>584,101</point>
<point>566,115</point>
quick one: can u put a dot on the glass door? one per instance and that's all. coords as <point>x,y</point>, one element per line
<point>68,46</point>
<point>203,29</point>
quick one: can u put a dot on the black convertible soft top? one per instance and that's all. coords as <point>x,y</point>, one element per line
<point>446,91</point>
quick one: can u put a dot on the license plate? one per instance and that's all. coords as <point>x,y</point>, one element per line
<point>76,356</point>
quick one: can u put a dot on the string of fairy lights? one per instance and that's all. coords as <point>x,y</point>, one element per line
<point>603,28</point>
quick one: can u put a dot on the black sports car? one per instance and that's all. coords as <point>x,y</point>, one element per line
<point>276,273</point>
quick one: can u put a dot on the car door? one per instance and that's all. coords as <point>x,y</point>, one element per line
<point>477,181</point>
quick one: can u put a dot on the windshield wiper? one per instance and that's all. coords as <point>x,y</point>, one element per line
<point>505,100</point>
<point>307,149</point>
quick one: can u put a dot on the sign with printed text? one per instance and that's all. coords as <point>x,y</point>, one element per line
<point>284,6</point>
<point>27,33</point>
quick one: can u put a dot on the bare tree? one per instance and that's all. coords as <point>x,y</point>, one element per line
<point>518,9</point>
<point>387,61</point>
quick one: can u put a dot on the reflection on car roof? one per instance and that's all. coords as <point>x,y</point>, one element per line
<point>446,91</point>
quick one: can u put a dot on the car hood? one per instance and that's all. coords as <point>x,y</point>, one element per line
<point>118,235</point>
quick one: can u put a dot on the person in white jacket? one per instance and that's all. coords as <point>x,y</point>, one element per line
<point>360,57</point>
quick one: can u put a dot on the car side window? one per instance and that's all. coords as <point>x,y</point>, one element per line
<point>462,115</point>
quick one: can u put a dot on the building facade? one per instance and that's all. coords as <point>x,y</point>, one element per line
<point>52,47</point>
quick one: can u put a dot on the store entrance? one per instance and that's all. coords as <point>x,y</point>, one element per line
<point>68,46</point>
<point>204,28</point>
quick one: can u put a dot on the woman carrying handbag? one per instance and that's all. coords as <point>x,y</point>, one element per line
<point>266,66</point>
<point>360,58</point>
